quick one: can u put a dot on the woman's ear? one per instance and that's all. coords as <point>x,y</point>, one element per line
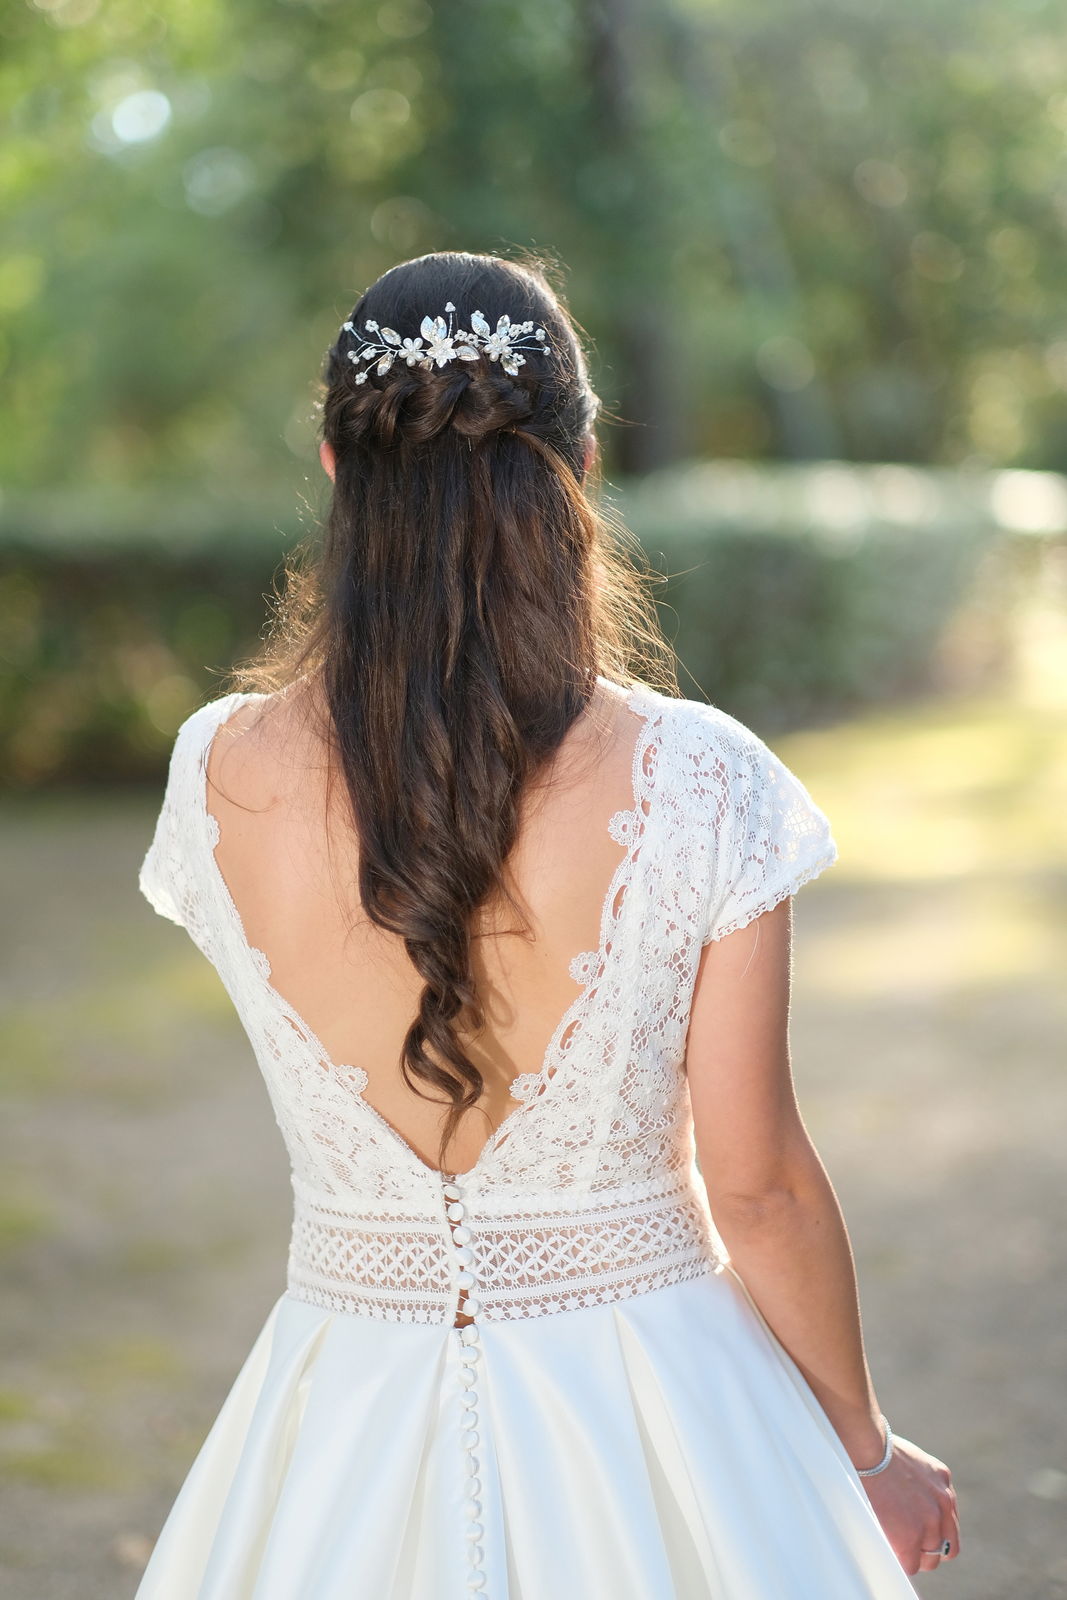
<point>590,452</point>
<point>329,461</point>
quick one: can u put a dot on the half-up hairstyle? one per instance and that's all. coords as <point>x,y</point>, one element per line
<point>465,597</point>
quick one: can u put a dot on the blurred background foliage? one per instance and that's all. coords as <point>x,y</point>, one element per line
<point>793,227</point>
<point>795,231</point>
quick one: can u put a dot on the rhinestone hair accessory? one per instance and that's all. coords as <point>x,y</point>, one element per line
<point>440,342</point>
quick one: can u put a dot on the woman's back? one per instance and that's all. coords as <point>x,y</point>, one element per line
<point>596,1126</point>
<point>289,855</point>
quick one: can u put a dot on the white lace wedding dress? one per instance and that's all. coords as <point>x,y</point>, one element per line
<point>618,1422</point>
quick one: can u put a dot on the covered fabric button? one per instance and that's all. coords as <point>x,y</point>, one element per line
<point>456,1212</point>
<point>452,1191</point>
<point>474,1531</point>
<point>469,1335</point>
<point>461,1235</point>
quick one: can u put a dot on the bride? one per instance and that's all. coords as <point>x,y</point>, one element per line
<point>509,931</point>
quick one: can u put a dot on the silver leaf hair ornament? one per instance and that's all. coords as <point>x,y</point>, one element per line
<point>439,343</point>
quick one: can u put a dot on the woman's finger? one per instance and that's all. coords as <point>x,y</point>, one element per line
<point>952,1532</point>
<point>931,1544</point>
<point>932,1550</point>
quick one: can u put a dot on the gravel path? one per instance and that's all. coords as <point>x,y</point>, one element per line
<point>143,1196</point>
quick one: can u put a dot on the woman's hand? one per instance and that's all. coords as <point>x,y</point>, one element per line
<point>915,1502</point>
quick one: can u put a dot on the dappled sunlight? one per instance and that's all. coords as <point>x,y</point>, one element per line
<point>941,790</point>
<point>949,818</point>
<point>973,933</point>
<point>103,1037</point>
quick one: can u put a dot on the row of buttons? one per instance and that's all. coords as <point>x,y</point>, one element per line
<point>469,1355</point>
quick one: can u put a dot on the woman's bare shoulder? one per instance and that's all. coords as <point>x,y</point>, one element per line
<point>268,744</point>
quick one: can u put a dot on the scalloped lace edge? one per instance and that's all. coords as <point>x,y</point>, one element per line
<point>798,881</point>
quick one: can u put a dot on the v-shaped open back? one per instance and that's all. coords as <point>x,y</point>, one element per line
<point>587,968</point>
<point>586,1190</point>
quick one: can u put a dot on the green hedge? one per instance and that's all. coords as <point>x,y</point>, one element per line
<point>119,613</point>
<point>794,593</point>
<point>800,592</point>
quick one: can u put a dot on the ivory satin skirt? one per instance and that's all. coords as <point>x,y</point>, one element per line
<point>663,1447</point>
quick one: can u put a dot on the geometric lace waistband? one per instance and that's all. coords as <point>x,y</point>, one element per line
<point>400,1270</point>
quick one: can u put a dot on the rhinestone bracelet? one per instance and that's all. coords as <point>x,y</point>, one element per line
<point>869,1472</point>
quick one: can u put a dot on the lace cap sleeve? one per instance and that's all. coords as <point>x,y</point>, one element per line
<point>771,837</point>
<point>162,877</point>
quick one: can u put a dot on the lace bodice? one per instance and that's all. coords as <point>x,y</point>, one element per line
<point>588,1190</point>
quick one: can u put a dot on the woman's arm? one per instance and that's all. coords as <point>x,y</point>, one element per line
<point>779,1217</point>
<point>769,1193</point>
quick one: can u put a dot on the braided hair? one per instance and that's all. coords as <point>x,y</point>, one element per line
<point>465,597</point>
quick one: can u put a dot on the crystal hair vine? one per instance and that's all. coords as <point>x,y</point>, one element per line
<point>439,343</point>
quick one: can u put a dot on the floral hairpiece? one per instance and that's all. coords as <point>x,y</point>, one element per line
<point>440,343</point>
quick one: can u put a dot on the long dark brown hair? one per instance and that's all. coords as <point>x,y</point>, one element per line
<point>456,613</point>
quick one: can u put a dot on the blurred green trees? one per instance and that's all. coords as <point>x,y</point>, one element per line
<point>791,227</point>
